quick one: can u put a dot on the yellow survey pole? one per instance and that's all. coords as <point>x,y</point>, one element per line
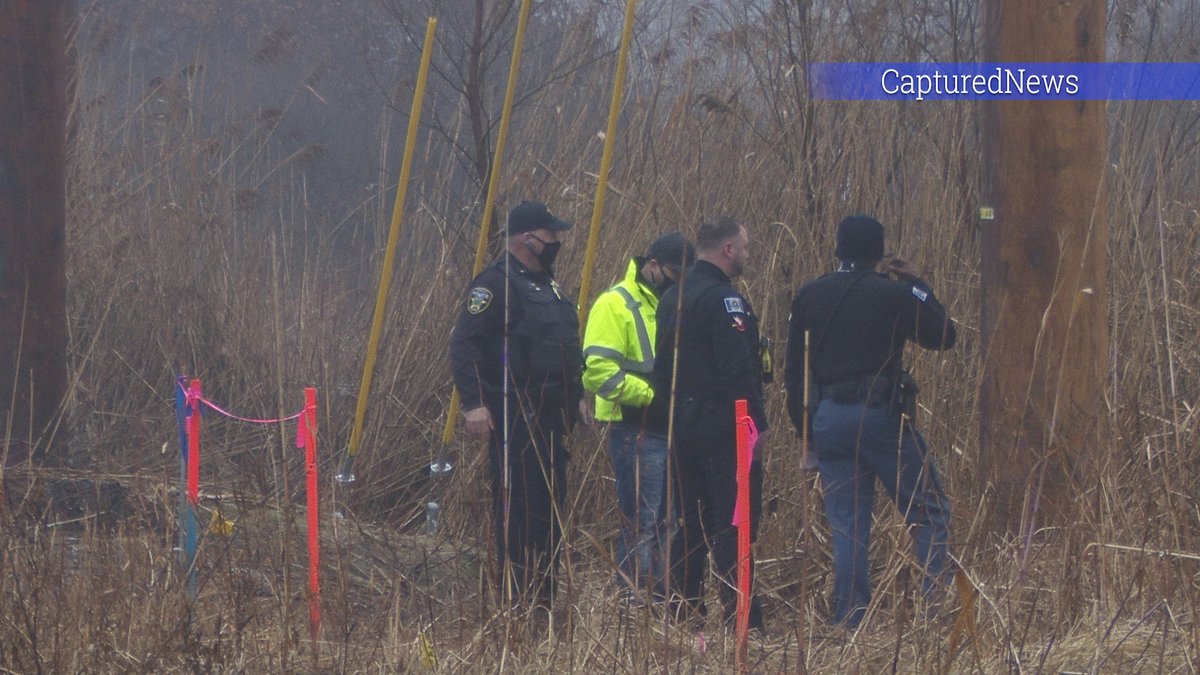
<point>385,275</point>
<point>610,137</point>
<point>490,201</point>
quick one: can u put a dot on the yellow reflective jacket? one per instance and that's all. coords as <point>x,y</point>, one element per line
<point>618,346</point>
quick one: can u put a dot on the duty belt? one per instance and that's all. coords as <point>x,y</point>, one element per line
<point>870,390</point>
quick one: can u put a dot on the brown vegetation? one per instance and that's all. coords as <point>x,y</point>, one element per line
<point>196,247</point>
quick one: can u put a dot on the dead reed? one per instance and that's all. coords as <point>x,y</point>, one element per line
<point>198,247</point>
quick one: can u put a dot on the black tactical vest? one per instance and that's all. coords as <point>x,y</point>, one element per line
<point>545,353</point>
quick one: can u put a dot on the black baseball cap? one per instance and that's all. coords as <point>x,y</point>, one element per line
<point>672,249</point>
<point>530,216</point>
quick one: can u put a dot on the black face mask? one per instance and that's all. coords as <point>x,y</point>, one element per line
<point>549,253</point>
<point>662,286</point>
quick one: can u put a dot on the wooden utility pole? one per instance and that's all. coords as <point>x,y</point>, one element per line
<point>1045,236</point>
<point>33,326</point>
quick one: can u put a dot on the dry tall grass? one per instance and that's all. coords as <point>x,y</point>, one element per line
<point>195,248</point>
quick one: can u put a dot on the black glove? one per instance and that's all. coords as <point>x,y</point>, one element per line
<point>633,415</point>
<point>653,417</point>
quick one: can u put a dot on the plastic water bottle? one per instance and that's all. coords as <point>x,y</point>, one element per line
<point>345,474</point>
<point>432,511</point>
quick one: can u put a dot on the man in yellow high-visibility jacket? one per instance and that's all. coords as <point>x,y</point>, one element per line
<point>618,345</point>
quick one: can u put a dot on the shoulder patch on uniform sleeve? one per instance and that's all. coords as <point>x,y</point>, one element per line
<point>478,299</point>
<point>921,295</point>
<point>734,306</point>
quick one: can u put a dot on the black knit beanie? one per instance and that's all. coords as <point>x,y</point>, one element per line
<point>859,238</point>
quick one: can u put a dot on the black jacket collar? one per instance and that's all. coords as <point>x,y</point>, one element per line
<point>707,269</point>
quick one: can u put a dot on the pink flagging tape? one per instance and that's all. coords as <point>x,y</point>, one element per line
<point>249,420</point>
<point>230,415</point>
<point>740,518</point>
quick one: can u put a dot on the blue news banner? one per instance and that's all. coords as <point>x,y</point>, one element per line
<point>1005,81</point>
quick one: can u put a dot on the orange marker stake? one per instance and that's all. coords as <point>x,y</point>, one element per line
<point>308,424</point>
<point>193,433</point>
<point>741,421</point>
<point>194,405</point>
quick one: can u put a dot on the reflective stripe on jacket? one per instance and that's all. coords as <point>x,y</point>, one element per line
<point>618,346</point>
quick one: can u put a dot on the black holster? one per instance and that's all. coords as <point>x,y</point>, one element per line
<point>904,394</point>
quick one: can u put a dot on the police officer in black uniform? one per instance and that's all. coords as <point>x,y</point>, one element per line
<point>857,322</point>
<point>515,313</point>
<point>717,362</point>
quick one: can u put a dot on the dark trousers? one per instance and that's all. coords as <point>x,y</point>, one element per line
<point>705,467</point>
<point>526,515</point>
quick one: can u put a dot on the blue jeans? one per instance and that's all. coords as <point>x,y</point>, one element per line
<point>855,444</point>
<point>640,467</point>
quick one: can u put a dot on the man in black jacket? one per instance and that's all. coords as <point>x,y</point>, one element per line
<point>857,322</point>
<point>516,315</point>
<point>708,345</point>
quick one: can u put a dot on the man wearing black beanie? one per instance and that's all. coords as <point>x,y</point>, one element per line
<point>855,322</point>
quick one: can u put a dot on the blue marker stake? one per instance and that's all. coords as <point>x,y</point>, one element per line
<point>180,420</point>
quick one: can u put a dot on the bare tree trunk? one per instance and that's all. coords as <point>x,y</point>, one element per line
<point>33,326</point>
<point>1044,302</point>
<point>476,106</point>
